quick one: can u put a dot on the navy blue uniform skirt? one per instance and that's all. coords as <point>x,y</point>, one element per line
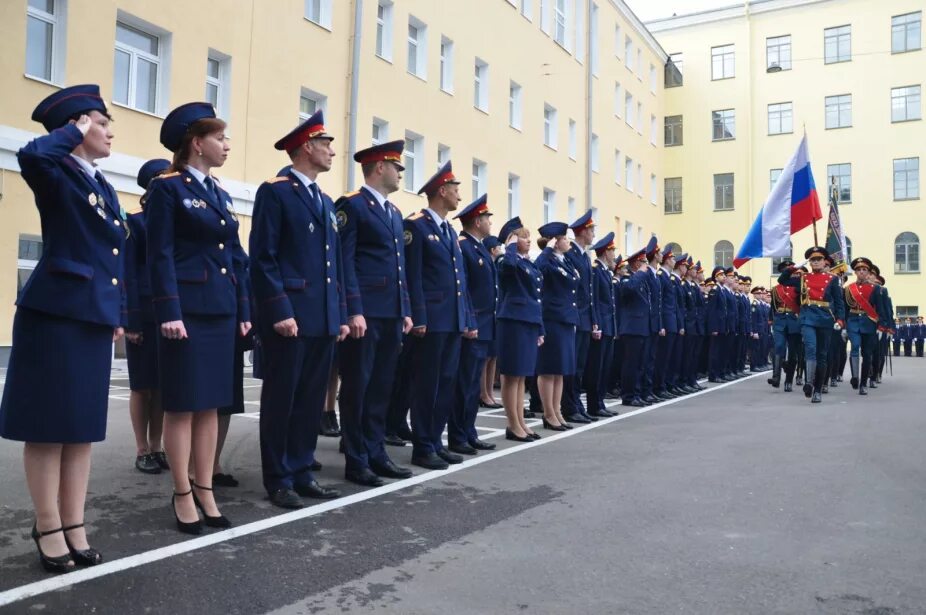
<point>196,373</point>
<point>242,346</point>
<point>143,359</point>
<point>557,356</point>
<point>517,347</point>
<point>57,383</point>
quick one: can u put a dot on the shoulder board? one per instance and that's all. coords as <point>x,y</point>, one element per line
<point>461,238</point>
<point>351,194</point>
<point>660,272</point>
<point>595,264</point>
<point>167,175</point>
<point>276,180</point>
<point>415,216</point>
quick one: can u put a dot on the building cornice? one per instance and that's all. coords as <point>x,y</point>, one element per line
<point>121,170</point>
<point>736,11</point>
<point>640,29</point>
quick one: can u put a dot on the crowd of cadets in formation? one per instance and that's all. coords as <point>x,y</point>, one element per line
<point>414,317</point>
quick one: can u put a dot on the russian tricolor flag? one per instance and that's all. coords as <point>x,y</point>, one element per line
<point>791,205</point>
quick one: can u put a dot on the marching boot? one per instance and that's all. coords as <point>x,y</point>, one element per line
<point>775,380</point>
<point>819,380</point>
<point>853,366</point>
<point>867,377</point>
<point>822,380</point>
<point>810,373</point>
<point>789,375</point>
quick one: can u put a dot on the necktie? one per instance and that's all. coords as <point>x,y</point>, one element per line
<point>386,209</point>
<point>210,185</point>
<point>104,187</point>
<point>316,200</point>
<point>445,230</point>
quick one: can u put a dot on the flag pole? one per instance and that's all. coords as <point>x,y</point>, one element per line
<point>816,241</point>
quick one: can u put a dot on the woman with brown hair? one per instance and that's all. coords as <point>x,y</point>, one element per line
<point>201,303</point>
<point>520,326</point>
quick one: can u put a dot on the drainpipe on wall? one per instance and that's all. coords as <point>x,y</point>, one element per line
<point>354,95</point>
<point>588,105</point>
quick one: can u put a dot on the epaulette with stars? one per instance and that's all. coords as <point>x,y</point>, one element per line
<point>276,180</point>
<point>415,216</point>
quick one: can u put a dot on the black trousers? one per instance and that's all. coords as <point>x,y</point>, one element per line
<point>632,366</point>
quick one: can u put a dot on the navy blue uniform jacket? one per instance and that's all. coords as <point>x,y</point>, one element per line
<point>482,281</point>
<point>561,284</point>
<point>581,262</point>
<point>80,273</point>
<point>636,304</point>
<point>196,260</point>
<point>520,288</point>
<point>296,259</point>
<point>137,276</point>
<point>605,295</point>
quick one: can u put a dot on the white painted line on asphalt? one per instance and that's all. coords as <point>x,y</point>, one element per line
<point>133,561</point>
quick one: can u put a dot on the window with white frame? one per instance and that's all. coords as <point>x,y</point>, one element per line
<point>639,69</point>
<point>724,124</point>
<point>628,173</point>
<point>549,126</point>
<point>628,237</point>
<point>652,188</point>
<point>672,187</point>
<point>446,65</point>
<point>723,253</point>
<point>570,208</point>
<point>780,119</point>
<point>594,147</point>
<point>573,140</point>
<point>417,48</point>
<point>380,131</point>
<point>319,12</point>
<point>723,191</point>
<point>618,99</point>
<point>652,79</point>
<point>413,161</point>
<point>384,29</point>
<point>839,111</point>
<point>559,22</point>
<point>906,179</point>
<point>837,44</point>
<point>618,169</point>
<point>140,55</point>
<point>723,64</point>
<point>842,174</point>
<point>578,43</point>
<point>652,129</point>
<point>673,130</point>
<point>639,179</point>
<point>907,253</point>
<point>593,40</point>
<point>311,101</point>
<point>674,76</point>
<point>514,105</point>
<point>549,205</point>
<point>527,9</point>
<point>905,104</point>
<point>45,39</point>
<point>218,75</point>
<point>443,155</point>
<point>778,52</point>
<point>628,53</point>
<point>480,180</point>
<point>514,195</point>
<point>773,175</point>
<point>639,118</point>
<point>628,109</point>
<point>481,85</point>
<point>906,32</point>
<point>618,41</point>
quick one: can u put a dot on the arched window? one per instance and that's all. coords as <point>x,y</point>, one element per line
<point>848,250</point>
<point>676,249</point>
<point>907,253</point>
<point>776,260</point>
<point>723,253</point>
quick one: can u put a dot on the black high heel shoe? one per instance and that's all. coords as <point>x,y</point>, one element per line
<point>82,557</point>
<point>510,435</point>
<point>194,527</point>
<point>60,563</point>
<point>548,425</point>
<point>221,521</point>
<point>566,425</point>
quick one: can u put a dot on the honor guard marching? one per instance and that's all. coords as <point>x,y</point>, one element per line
<point>378,311</point>
<point>482,282</point>
<point>301,312</point>
<point>822,308</point>
<point>786,328</point>
<point>866,322</point>
<point>442,316</point>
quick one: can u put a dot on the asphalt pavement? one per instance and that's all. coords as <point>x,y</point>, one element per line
<point>741,499</point>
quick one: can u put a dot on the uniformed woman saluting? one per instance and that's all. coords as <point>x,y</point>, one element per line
<point>557,357</point>
<point>68,314</point>
<point>200,301</point>
<point>520,324</point>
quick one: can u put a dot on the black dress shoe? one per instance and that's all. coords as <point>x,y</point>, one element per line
<point>316,466</point>
<point>481,445</point>
<point>510,435</point>
<point>636,402</point>
<point>716,380</point>
<point>588,417</point>
<point>314,490</point>
<point>387,469</point>
<point>577,418</point>
<point>328,428</point>
<point>462,448</point>
<point>146,464</point>
<point>161,458</point>
<point>365,477</point>
<point>221,521</point>
<point>82,557</point>
<point>652,399</point>
<point>224,480</point>
<point>451,458</point>
<point>393,440</point>
<point>193,527</point>
<point>816,398</point>
<point>529,414</point>
<point>600,414</point>
<point>788,387</point>
<point>404,432</point>
<point>567,425</point>
<point>57,563</point>
<point>548,425</point>
<point>286,498</point>
<point>430,461</point>
<point>490,405</point>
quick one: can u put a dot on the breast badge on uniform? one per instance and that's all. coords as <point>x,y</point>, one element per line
<point>408,237</point>
<point>187,203</point>
<point>91,198</point>
<point>480,262</point>
<point>341,218</point>
<point>311,227</point>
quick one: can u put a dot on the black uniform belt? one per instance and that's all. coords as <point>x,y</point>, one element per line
<point>857,311</point>
<point>823,304</point>
<point>785,311</point>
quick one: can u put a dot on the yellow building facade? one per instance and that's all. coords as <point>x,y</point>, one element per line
<point>552,107</point>
<point>756,77</point>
